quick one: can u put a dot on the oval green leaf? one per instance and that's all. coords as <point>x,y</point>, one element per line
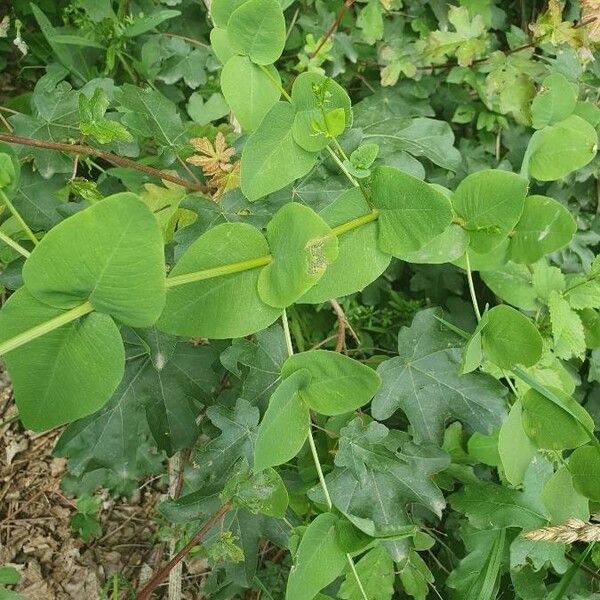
<point>63,375</point>
<point>412,212</point>
<point>510,338</point>
<point>110,254</point>
<point>338,384</point>
<point>303,246</point>
<point>257,29</point>
<point>284,428</point>
<point>220,307</point>
<point>584,465</point>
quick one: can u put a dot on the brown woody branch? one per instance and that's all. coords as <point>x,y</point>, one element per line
<point>162,574</point>
<point>332,29</point>
<point>107,156</point>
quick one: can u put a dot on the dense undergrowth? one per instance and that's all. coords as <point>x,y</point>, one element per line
<point>332,266</point>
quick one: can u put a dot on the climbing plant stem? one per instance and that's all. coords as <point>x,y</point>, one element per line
<point>340,164</point>
<point>472,287</point>
<point>46,327</point>
<point>14,245</point>
<point>358,581</point>
<point>276,83</point>
<point>18,218</point>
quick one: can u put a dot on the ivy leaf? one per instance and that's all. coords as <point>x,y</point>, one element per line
<point>338,384</point>
<point>257,29</point>
<point>489,505</point>
<point>490,202</point>
<point>424,382</point>
<point>359,261</point>
<point>262,172</point>
<point>262,358</point>
<point>93,121</point>
<point>189,66</point>
<point>249,91</point>
<point>230,304</point>
<point>556,150</point>
<point>378,472</point>
<point>544,226</point>
<point>424,137</point>
<point>376,573</point>
<point>214,461</point>
<point>302,246</point>
<point>284,428</point>
<point>319,559</point>
<point>66,374</point>
<point>412,212</point>
<point>567,329</point>
<point>149,114</point>
<point>88,257</point>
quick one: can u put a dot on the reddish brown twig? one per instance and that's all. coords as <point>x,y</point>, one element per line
<point>343,324</point>
<point>161,574</point>
<point>332,29</point>
<point>108,156</point>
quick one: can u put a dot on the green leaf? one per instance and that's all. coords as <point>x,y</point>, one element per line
<point>284,428</point>
<point>584,465</point>
<point>428,138</point>
<point>412,212</point>
<point>249,91</point>
<point>146,23</point>
<point>547,279</point>
<point>110,254</point>
<point>490,203</point>
<point>220,10</point>
<point>515,448</point>
<point>376,573</point>
<point>556,150</point>
<point>9,576</point>
<point>359,260</point>
<point>378,472</point>
<point>510,338</point>
<point>257,29</point>
<point>512,283</point>
<point>554,102</point>
<point>262,170</point>
<point>445,247</point>
<point>424,382</point>
<point>558,425</point>
<point>93,122</point>
<point>567,329</point>
<point>338,384</point>
<point>219,43</point>
<point>319,559</point>
<point>561,498</point>
<point>544,226</point>
<point>225,306</point>
<point>315,97</point>
<point>583,292</point>
<point>302,246</point>
<point>204,113</point>
<point>66,374</point>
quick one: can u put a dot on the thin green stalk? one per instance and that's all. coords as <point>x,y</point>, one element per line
<point>275,83</point>
<point>228,269</point>
<point>18,218</point>
<point>14,245</point>
<point>561,589</point>
<point>313,449</point>
<point>47,327</point>
<point>472,287</point>
<point>340,164</point>
<point>358,581</point>
<point>355,223</point>
<point>286,333</point>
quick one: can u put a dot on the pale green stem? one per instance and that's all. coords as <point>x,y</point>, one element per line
<point>358,581</point>
<point>286,333</point>
<point>18,218</point>
<point>14,245</point>
<point>275,83</point>
<point>186,278</point>
<point>472,287</point>
<point>340,164</point>
<point>47,327</point>
<point>228,269</point>
<point>313,449</point>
